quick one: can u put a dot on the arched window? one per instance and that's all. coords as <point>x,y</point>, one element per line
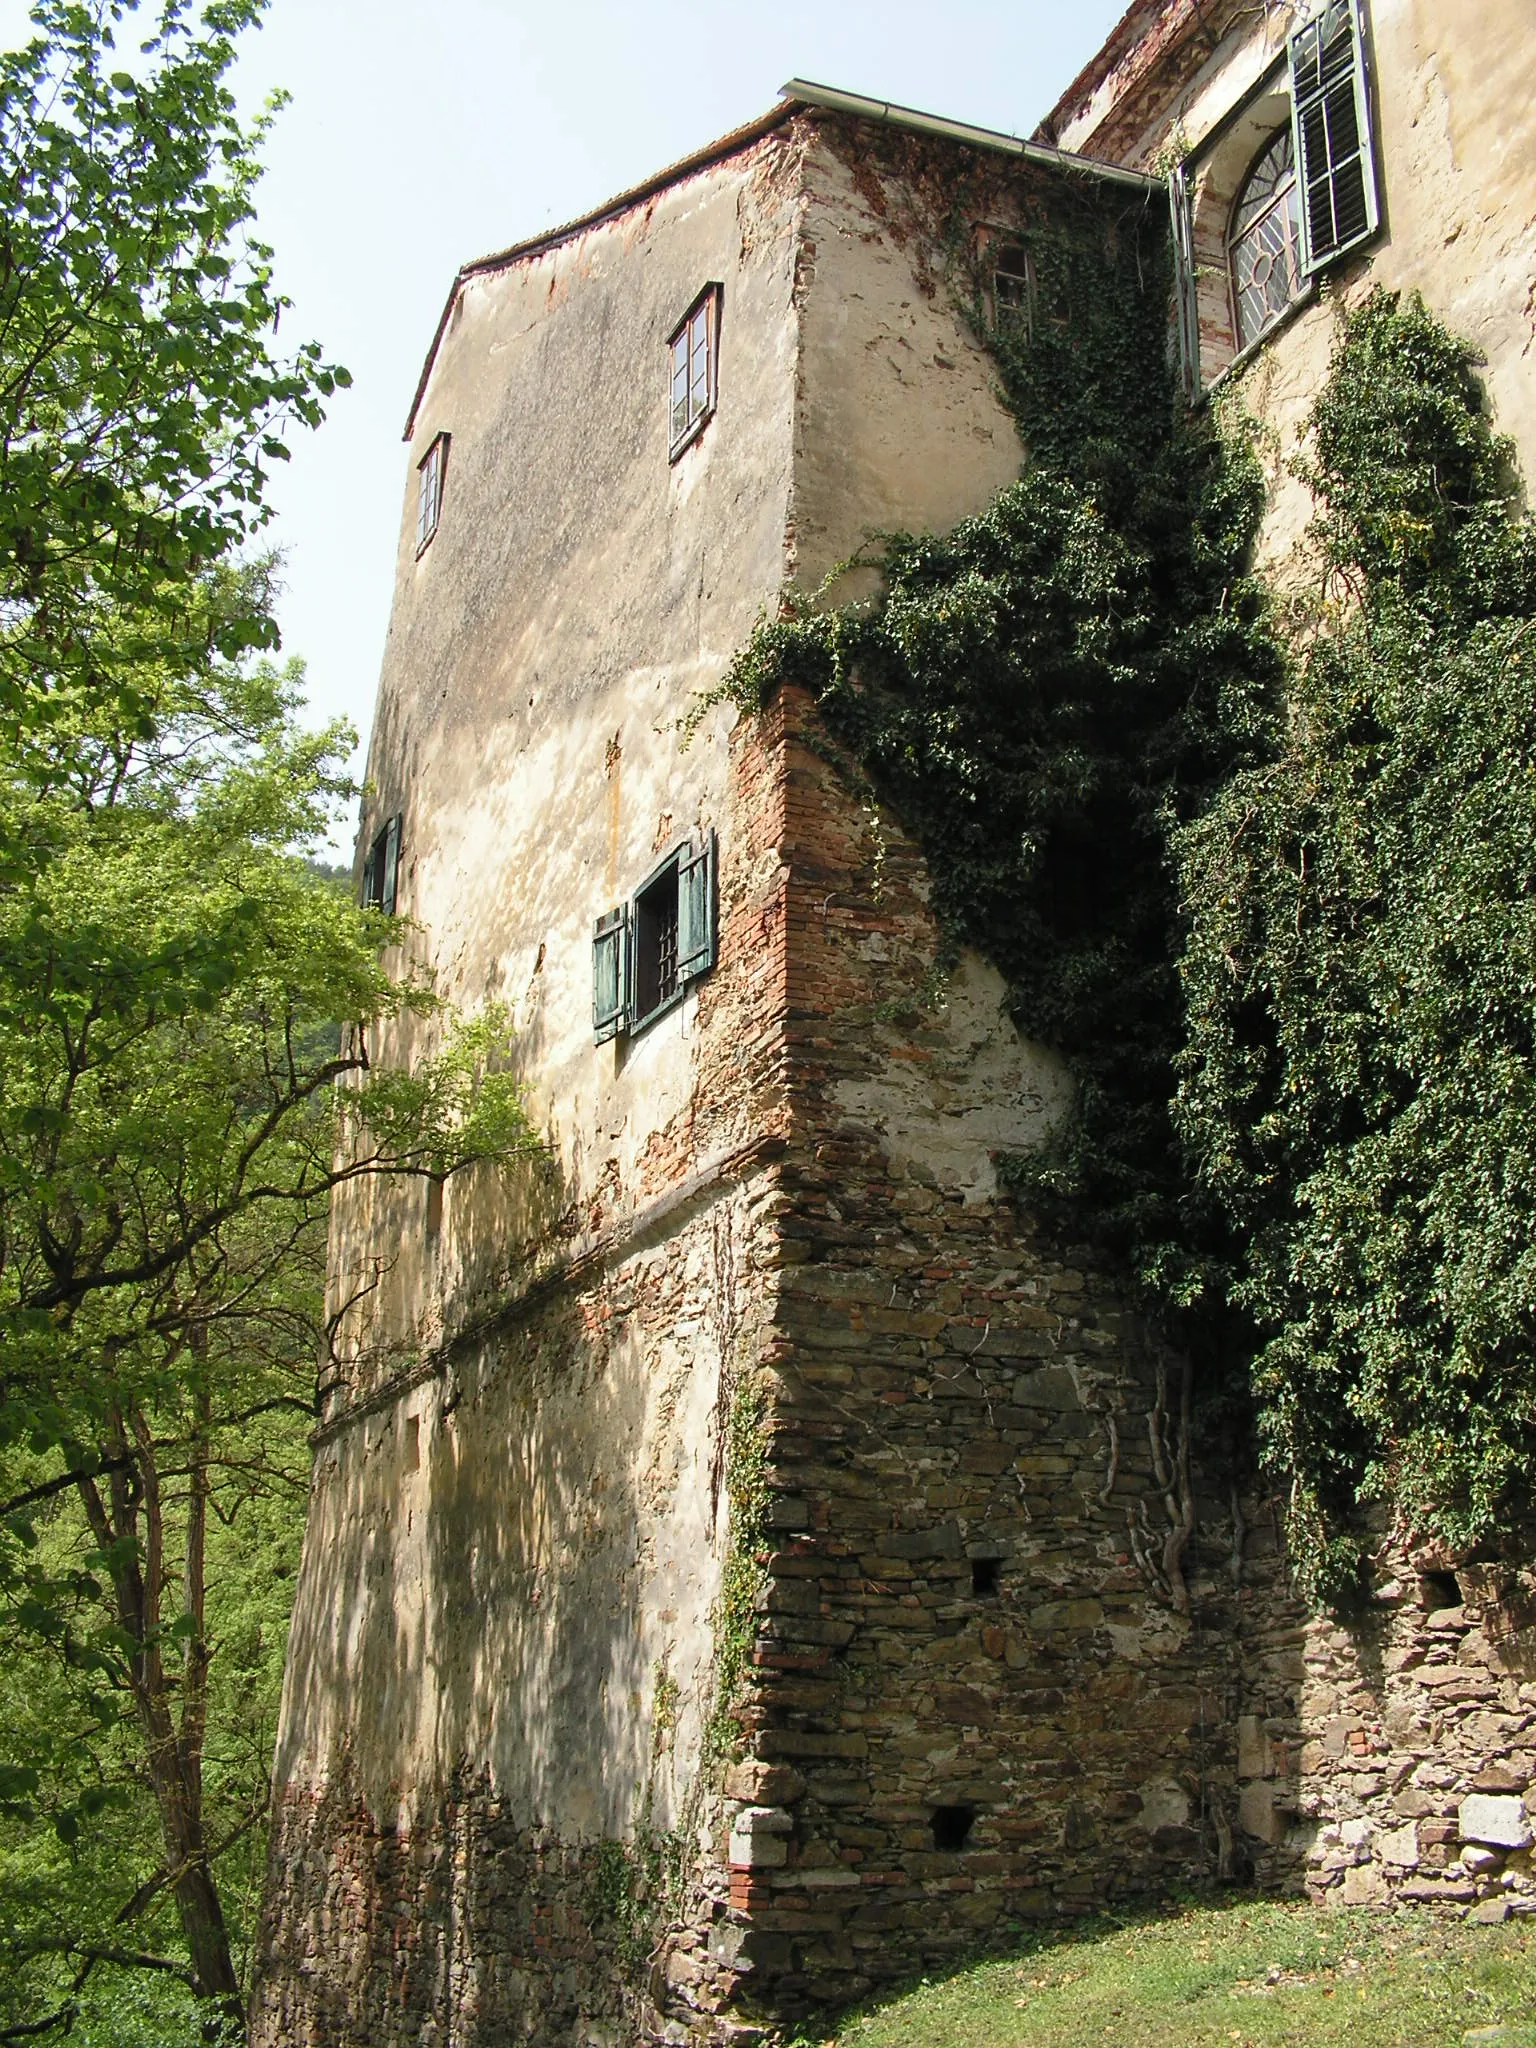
<point>1264,245</point>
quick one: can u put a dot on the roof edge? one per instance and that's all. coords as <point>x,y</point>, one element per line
<point>805,92</point>
<point>797,94</point>
<point>726,145</point>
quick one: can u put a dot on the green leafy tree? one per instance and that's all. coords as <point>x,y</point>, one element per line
<point>1358,1085</point>
<point>190,1015</point>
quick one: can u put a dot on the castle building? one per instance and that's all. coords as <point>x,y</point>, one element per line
<point>731,1577</point>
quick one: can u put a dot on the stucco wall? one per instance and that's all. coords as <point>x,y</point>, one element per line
<point>1455,110</point>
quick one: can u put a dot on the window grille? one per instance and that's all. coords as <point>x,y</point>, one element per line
<point>646,953</point>
<point>1264,244</point>
<point>693,353</point>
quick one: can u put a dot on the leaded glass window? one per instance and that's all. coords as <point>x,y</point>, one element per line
<point>1264,248</point>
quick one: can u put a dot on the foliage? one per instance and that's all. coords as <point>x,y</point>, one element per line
<point>191,1021</point>
<point>140,402</point>
<point>1358,1085</point>
<point>1040,691</point>
<point>1206,1975</point>
<point>735,1619</point>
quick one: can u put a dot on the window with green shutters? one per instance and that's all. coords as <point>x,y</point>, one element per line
<point>381,869</point>
<point>647,952</point>
<point>1331,116</point>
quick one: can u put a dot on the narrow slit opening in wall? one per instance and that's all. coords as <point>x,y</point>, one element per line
<point>434,1207</point>
<point>412,1448</point>
<point>952,1826</point>
<point>1439,1589</point>
<point>985,1574</point>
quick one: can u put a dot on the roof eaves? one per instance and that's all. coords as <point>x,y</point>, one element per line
<point>536,245</point>
<point>797,94</point>
<point>804,92</point>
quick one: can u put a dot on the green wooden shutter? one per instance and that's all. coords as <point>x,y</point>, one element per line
<point>389,863</point>
<point>1331,113</point>
<point>610,974</point>
<point>696,909</point>
<point>1185,280</point>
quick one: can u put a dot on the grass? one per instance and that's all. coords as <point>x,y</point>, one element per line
<point>1237,1975</point>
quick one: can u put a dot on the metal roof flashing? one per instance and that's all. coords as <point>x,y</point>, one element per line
<point>799,94</point>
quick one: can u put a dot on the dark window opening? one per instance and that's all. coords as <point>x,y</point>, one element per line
<point>1439,1589</point>
<point>381,870</point>
<point>430,474</point>
<point>952,1826</point>
<point>656,945</point>
<point>985,1574</point>
<point>646,952</point>
<point>1013,285</point>
<point>434,1207</point>
<point>693,354</point>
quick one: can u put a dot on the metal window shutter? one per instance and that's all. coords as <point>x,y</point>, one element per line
<point>1185,281</point>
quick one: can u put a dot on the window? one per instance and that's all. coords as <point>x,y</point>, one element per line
<point>693,353</point>
<point>1331,110</point>
<point>952,1826</point>
<point>1281,188</point>
<point>1264,247</point>
<point>430,474</point>
<point>646,952</point>
<point>381,870</point>
<point>1013,285</point>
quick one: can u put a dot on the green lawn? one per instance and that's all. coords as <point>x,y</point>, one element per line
<point>1244,1975</point>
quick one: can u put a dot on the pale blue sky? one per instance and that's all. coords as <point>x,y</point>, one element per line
<point>419,136</point>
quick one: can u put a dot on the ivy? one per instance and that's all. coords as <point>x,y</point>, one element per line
<point>1039,693</point>
<point>1358,1089</point>
<point>736,1610</point>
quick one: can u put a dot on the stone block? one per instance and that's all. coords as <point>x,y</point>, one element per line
<point>761,1784</point>
<point>1051,1387</point>
<point>1255,1755</point>
<point>1400,1847</point>
<point>1257,1813</point>
<point>1497,1818</point>
<point>944,1541</point>
<point>1364,1886</point>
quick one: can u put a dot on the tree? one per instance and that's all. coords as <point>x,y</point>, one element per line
<point>190,1015</point>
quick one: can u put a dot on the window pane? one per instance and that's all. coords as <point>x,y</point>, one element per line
<point>1264,252</point>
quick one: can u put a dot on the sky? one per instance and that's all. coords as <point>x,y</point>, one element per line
<point>419,135</point>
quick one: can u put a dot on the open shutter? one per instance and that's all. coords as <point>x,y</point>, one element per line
<point>1331,112</point>
<point>371,877</point>
<point>696,909</point>
<point>610,974</point>
<point>389,877</point>
<point>1185,282</point>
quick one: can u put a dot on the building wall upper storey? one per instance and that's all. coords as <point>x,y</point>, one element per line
<point>1443,112</point>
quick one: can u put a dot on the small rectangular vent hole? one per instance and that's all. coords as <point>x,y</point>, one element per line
<point>985,1573</point>
<point>952,1826</point>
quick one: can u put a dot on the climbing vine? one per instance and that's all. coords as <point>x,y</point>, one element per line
<point>746,1485</point>
<point>1042,692</point>
<point>1358,1089</point>
<point>1264,875</point>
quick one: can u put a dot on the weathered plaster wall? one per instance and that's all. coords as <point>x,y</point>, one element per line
<point>1455,110</point>
<point>502,1643</point>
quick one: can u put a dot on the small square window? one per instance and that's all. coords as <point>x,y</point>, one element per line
<point>431,473</point>
<point>646,952</point>
<point>693,354</point>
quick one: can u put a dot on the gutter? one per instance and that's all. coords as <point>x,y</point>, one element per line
<point>800,92</point>
<point>804,92</point>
